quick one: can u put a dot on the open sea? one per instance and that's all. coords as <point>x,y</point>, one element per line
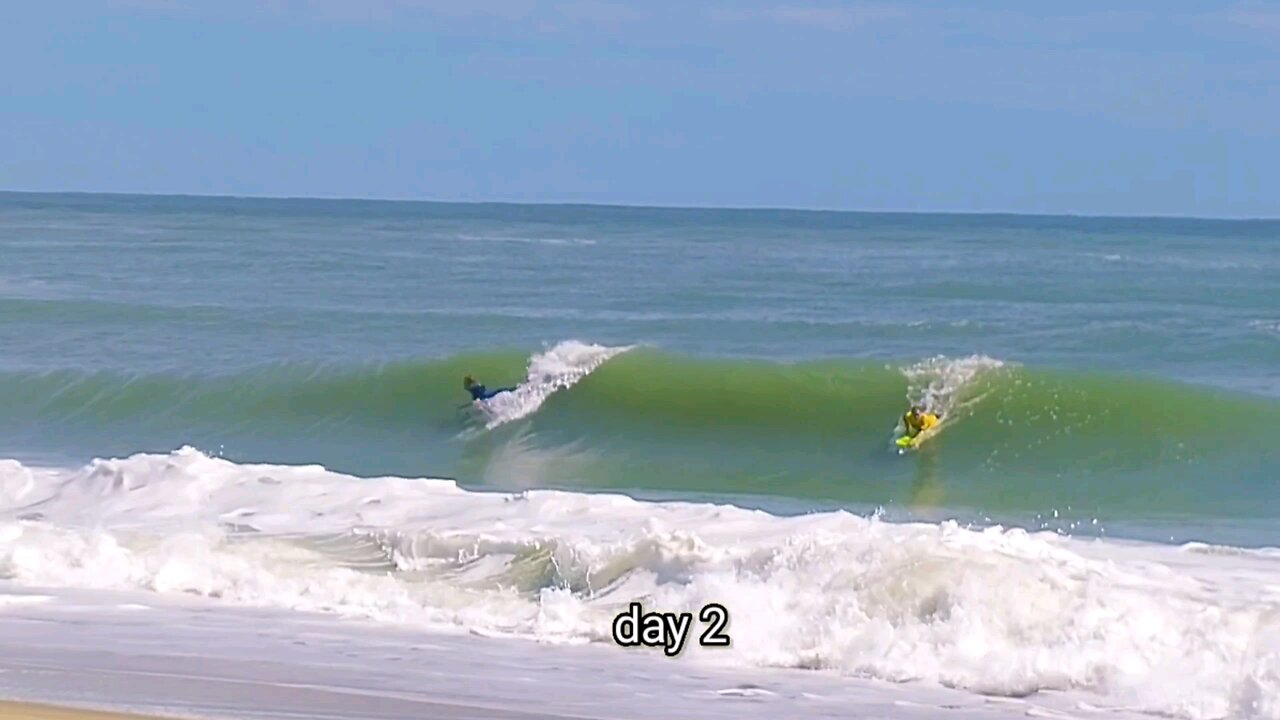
<point>704,410</point>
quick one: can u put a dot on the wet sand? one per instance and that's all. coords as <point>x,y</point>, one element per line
<point>29,711</point>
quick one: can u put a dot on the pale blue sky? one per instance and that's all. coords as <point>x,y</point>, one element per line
<point>1169,108</point>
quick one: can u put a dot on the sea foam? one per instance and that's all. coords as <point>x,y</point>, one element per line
<point>993,610</point>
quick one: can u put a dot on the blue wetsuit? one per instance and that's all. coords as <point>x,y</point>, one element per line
<point>479,393</point>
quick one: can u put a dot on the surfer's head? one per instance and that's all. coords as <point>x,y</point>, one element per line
<point>468,381</point>
<point>916,410</point>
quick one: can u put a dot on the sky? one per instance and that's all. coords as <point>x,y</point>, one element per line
<point>1165,107</point>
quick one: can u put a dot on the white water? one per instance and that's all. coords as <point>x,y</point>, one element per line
<point>182,656</point>
<point>940,383</point>
<point>945,386</point>
<point>558,368</point>
<point>1180,631</point>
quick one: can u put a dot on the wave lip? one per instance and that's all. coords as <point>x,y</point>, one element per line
<point>998,611</point>
<point>555,369</point>
<point>939,382</point>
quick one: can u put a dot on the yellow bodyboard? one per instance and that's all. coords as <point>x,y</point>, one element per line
<point>907,442</point>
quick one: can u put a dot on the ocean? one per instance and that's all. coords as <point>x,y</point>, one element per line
<point>260,402</point>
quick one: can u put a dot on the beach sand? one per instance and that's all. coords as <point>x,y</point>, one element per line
<point>29,711</point>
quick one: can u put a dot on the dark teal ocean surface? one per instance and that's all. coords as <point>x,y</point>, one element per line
<point>1113,376</point>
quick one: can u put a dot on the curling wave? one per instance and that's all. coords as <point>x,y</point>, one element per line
<point>586,416</point>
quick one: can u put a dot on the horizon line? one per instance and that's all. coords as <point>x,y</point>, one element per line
<point>646,206</point>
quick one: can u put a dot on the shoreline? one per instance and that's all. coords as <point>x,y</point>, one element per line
<point>164,656</point>
<point>22,710</point>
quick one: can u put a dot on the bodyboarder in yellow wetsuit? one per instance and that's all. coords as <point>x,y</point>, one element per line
<point>916,420</point>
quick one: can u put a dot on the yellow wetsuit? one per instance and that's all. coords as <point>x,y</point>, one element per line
<point>916,426</point>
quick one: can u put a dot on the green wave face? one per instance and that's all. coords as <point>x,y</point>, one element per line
<point>1016,438</point>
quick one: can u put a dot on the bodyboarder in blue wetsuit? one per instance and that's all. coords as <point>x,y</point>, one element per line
<point>478,391</point>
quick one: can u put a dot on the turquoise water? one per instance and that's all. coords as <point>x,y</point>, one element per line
<point>1103,375</point>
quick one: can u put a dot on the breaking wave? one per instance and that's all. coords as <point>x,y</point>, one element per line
<point>589,416</point>
<point>1001,611</point>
